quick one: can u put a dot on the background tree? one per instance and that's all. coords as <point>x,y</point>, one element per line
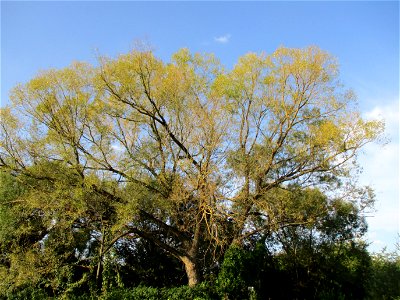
<point>316,254</point>
<point>385,273</point>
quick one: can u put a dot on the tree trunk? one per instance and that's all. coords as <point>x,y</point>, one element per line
<point>99,279</point>
<point>192,271</point>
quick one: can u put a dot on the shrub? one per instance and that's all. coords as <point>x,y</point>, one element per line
<point>203,291</point>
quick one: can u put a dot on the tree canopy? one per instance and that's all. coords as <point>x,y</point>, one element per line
<point>185,156</point>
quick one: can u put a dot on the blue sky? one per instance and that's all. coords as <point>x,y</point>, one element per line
<point>362,35</point>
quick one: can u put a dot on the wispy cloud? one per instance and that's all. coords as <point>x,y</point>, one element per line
<point>380,165</point>
<point>222,39</point>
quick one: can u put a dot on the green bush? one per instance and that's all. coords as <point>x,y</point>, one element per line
<point>239,274</point>
<point>203,291</point>
<point>28,293</point>
<point>140,292</point>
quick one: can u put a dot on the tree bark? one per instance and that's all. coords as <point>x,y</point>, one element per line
<point>192,271</point>
<point>99,271</point>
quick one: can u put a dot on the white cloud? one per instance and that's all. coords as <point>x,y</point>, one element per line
<point>378,240</point>
<point>381,171</point>
<point>375,242</point>
<point>388,113</point>
<point>222,39</point>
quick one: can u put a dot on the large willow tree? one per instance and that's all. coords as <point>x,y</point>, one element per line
<point>186,155</point>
